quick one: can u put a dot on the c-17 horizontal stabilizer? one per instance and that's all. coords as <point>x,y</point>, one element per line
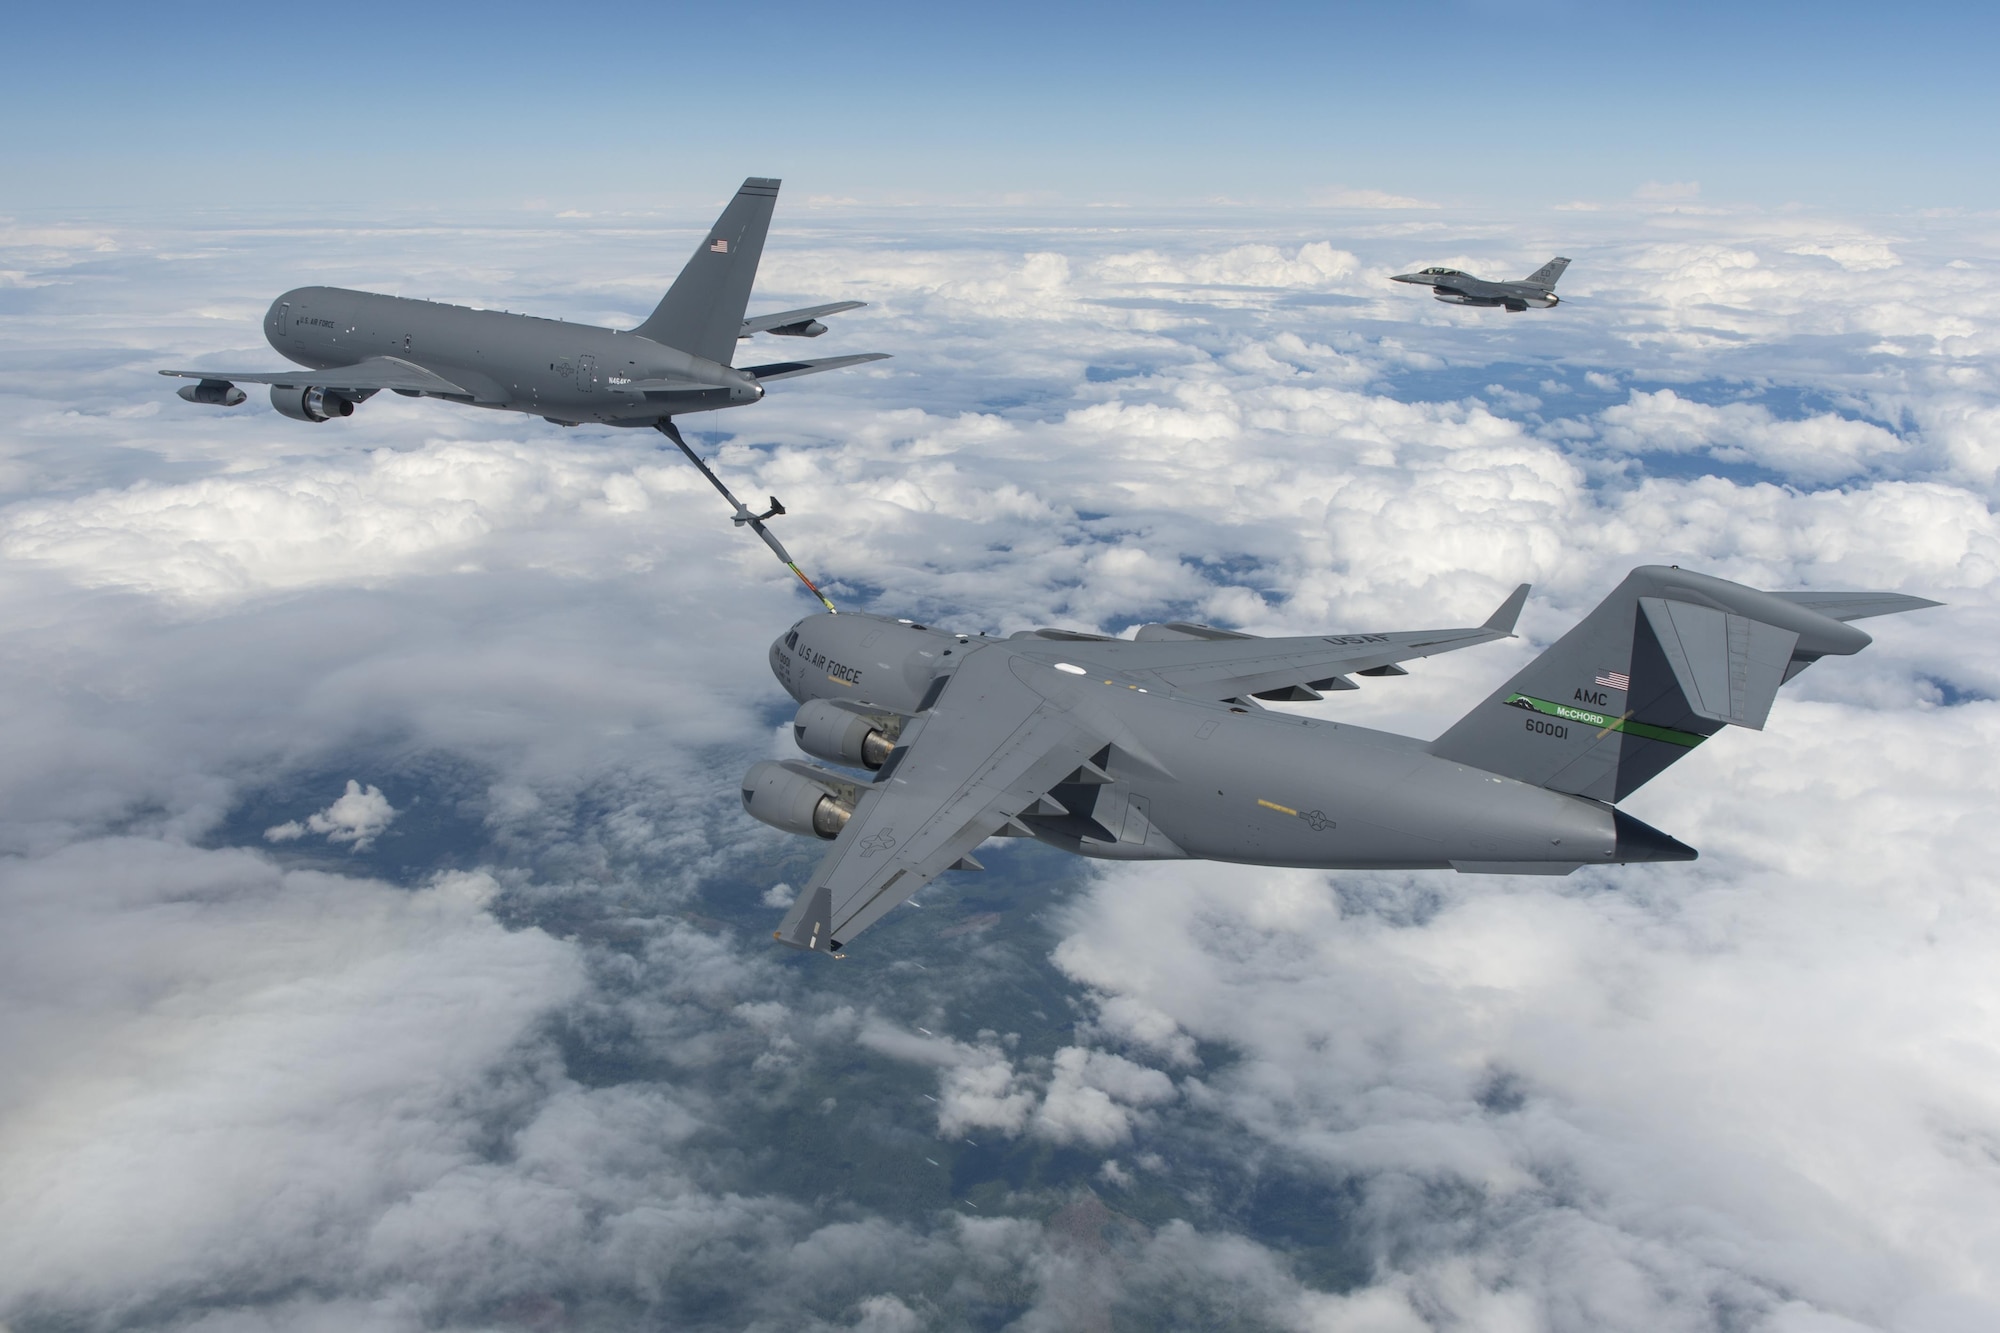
<point>1663,663</point>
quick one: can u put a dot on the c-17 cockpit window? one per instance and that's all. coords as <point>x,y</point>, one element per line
<point>792,640</point>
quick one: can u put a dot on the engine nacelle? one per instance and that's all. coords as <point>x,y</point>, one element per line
<point>787,799</point>
<point>827,731</point>
<point>310,404</point>
<point>805,328</point>
<point>216,393</point>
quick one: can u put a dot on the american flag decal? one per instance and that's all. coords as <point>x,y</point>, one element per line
<point>1616,680</point>
<point>718,246</point>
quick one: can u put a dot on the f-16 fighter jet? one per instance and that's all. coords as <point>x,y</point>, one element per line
<point>1157,749</point>
<point>353,345</point>
<point>1448,284</point>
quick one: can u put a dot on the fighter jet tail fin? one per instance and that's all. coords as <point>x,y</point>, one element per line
<point>1663,663</point>
<point>1546,275</point>
<point>702,312</point>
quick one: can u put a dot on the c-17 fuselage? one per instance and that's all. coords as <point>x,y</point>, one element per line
<point>1224,780</point>
<point>1155,748</point>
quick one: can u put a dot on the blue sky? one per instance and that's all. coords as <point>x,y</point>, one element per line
<point>1846,105</point>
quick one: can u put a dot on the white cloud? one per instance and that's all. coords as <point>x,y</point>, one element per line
<point>1865,256</point>
<point>357,818</point>
<point>1823,447</point>
<point>1345,198</point>
<point>1092,1096</point>
<point>218,1069</point>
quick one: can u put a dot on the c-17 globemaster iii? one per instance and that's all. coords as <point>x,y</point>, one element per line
<point>352,345</point>
<point>1156,748</point>
<point>1448,284</point>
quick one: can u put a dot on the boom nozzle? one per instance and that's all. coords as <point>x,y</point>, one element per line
<point>743,517</point>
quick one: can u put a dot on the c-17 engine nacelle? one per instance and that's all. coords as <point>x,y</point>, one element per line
<point>825,730</point>
<point>310,404</point>
<point>786,798</point>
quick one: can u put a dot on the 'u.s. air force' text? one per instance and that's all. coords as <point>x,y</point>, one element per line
<point>839,671</point>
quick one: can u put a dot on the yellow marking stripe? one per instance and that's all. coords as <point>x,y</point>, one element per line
<point>1281,809</point>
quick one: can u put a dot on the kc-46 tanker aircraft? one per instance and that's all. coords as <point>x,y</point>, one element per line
<point>352,345</point>
<point>1156,748</point>
<point>1448,284</point>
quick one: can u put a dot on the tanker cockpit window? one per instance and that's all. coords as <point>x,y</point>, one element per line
<point>792,640</point>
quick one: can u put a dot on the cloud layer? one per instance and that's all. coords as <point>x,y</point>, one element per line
<point>385,948</point>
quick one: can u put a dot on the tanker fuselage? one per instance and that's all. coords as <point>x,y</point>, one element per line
<point>569,373</point>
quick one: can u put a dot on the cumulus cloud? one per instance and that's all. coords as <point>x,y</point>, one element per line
<point>1822,447</point>
<point>1093,1096</point>
<point>357,819</point>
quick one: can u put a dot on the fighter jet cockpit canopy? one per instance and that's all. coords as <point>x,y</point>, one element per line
<point>1442,273</point>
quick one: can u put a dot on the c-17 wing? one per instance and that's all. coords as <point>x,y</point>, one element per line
<point>364,376</point>
<point>986,751</point>
<point>1219,664</point>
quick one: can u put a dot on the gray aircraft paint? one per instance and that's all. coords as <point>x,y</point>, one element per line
<point>1538,289</point>
<point>353,345</point>
<point>1177,773</point>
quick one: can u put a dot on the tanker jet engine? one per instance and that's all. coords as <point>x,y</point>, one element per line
<point>1156,748</point>
<point>353,345</point>
<point>1448,284</point>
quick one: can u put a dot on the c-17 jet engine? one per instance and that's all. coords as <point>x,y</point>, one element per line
<point>799,798</point>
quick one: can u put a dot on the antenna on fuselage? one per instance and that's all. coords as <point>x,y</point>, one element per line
<point>743,517</point>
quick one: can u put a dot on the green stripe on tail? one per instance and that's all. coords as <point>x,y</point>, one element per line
<point>1605,722</point>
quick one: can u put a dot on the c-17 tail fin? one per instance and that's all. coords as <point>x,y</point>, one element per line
<point>1663,663</point>
<point>702,312</point>
<point>1546,275</point>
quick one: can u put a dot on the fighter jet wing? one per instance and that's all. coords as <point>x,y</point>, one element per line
<point>1228,666</point>
<point>372,373</point>
<point>988,749</point>
<point>785,318</point>
<point>784,370</point>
